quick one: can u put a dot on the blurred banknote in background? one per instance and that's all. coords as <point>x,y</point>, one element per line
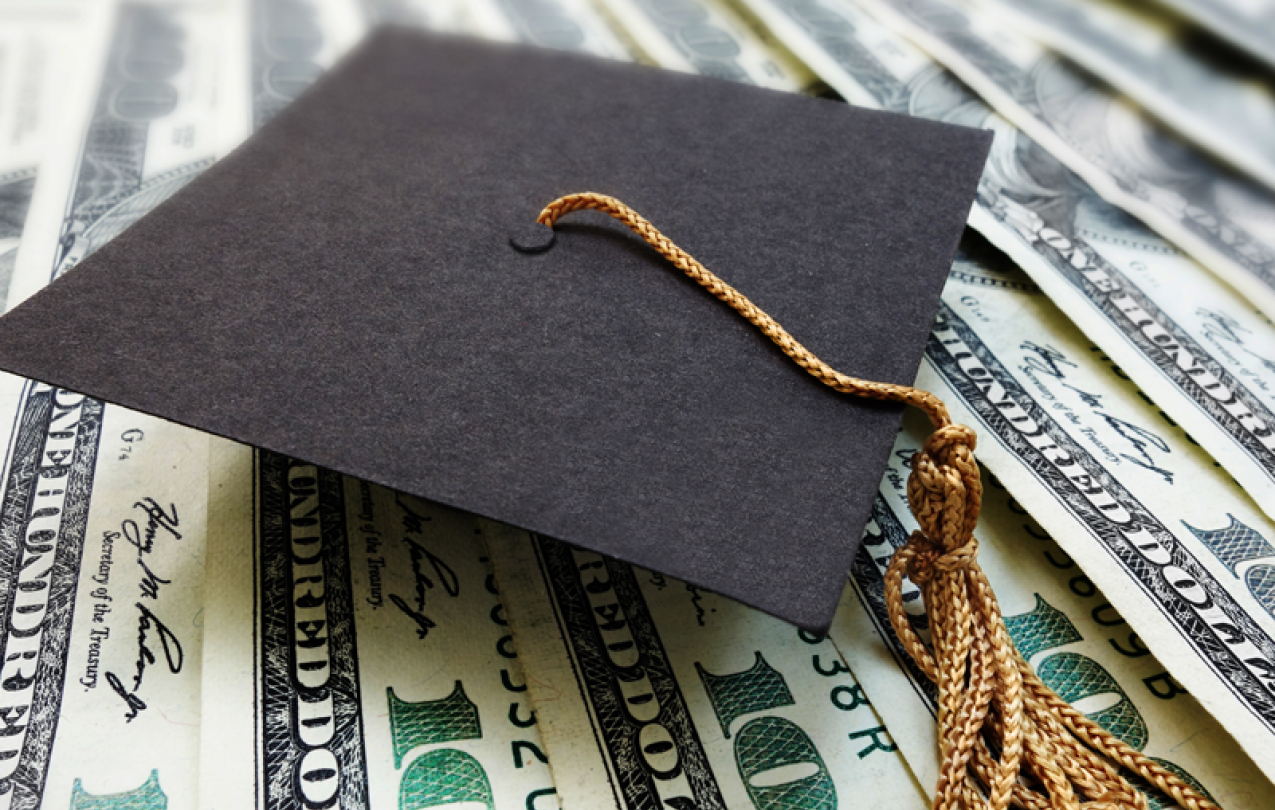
<point>1192,200</point>
<point>1248,25</point>
<point>568,25</point>
<point>710,38</point>
<point>36,42</point>
<point>190,623</point>
<point>1224,103</point>
<point>141,123</point>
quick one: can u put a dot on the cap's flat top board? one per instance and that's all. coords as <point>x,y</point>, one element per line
<point>342,289</point>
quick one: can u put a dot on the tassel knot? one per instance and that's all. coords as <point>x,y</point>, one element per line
<point>927,557</point>
<point>944,489</point>
<point>945,493</point>
<point>1004,736</point>
<point>998,722</point>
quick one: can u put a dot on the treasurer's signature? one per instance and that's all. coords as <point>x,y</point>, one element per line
<point>157,523</point>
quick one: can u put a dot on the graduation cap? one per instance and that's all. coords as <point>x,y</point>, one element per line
<point>343,289</point>
<point>363,285</point>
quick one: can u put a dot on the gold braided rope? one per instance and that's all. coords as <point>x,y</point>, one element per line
<point>1005,738</point>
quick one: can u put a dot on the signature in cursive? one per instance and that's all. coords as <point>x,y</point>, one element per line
<point>1049,361</point>
<point>423,623</point>
<point>1220,326</point>
<point>158,522</point>
<point>1142,440</point>
<point>150,581</point>
<point>422,584</point>
<point>170,647</point>
<point>429,571</point>
<point>157,519</point>
<point>696,598</point>
<point>446,576</point>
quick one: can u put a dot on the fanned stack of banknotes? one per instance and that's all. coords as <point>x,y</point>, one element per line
<point>187,623</point>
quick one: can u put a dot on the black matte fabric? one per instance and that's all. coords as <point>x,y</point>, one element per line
<point>342,289</point>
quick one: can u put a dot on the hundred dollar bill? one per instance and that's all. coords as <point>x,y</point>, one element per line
<point>1195,346</point>
<point>437,15</point>
<point>571,25</point>
<point>1222,103</point>
<point>275,50</point>
<point>652,693</point>
<point>712,38</point>
<point>357,654</point>
<point>1225,221</point>
<point>101,592</point>
<point>1247,24</point>
<point>142,128</point>
<point>1062,623</point>
<point>102,530</point>
<point>36,41</point>
<point>1182,553</point>
<point>568,25</point>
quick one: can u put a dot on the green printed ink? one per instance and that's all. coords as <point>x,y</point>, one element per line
<point>767,744</point>
<point>1237,544</point>
<point>1075,677</point>
<point>753,690</point>
<point>1043,628</point>
<point>147,797</point>
<point>879,740</point>
<point>1234,544</point>
<point>444,777</point>
<point>1260,580</point>
<point>448,719</point>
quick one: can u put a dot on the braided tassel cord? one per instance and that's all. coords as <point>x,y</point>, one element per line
<point>1005,738</point>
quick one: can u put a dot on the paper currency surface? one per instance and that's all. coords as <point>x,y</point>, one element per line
<point>1222,103</point>
<point>1144,512</point>
<point>103,517</point>
<point>1076,640</point>
<point>275,49</point>
<point>140,128</point>
<point>439,15</point>
<point>710,38</point>
<point>1230,666</point>
<point>36,39</point>
<point>103,538</point>
<point>652,693</point>
<point>1201,355</point>
<point>1222,219</point>
<point>358,653</point>
<point>568,25</point>
<point>1245,24</point>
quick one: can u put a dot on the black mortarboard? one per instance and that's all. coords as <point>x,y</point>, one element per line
<point>342,289</point>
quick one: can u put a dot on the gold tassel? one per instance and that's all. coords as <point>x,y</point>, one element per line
<point>1005,738</point>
